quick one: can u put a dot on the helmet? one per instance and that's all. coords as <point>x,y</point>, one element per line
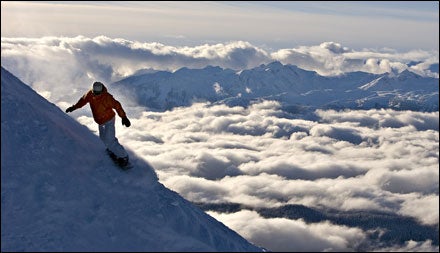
<point>97,88</point>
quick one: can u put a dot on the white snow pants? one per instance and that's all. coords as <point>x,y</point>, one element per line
<point>107,135</point>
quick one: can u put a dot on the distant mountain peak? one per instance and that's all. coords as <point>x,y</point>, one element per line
<point>275,65</point>
<point>287,84</point>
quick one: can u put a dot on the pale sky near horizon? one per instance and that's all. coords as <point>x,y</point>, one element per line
<point>271,25</point>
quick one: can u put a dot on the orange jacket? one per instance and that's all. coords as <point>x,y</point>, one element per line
<point>102,106</point>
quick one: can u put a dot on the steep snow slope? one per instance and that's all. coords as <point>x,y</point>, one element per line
<point>60,192</point>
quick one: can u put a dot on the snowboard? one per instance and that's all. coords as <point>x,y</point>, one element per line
<point>115,160</point>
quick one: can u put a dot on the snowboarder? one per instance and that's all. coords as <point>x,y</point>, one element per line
<point>102,104</point>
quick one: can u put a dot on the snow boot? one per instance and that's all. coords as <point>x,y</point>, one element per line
<point>111,154</point>
<point>123,161</point>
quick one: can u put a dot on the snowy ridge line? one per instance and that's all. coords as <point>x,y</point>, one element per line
<point>286,84</point>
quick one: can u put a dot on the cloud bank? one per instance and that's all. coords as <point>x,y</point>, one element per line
<point>374,161</point>
<point>74,63</point>
<point>277,233</point>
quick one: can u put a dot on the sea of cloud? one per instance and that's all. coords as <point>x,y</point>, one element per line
<point>259,156</point>
<point>375,160</point>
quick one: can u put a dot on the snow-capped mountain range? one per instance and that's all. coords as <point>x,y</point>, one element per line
<point>288,84</point>
<point>60,191</point>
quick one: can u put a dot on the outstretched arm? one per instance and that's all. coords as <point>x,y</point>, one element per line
<point>81,102</point>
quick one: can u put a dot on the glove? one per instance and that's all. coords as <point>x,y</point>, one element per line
<point>70,109</point>
<point>125,122</point>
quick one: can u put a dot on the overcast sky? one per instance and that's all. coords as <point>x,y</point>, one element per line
<point>270,25</point>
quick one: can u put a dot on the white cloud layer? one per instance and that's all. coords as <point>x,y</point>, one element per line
<point>375,160</point>
<point>55,66</point>
<point>330,58</point>
<point>281,235</point>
